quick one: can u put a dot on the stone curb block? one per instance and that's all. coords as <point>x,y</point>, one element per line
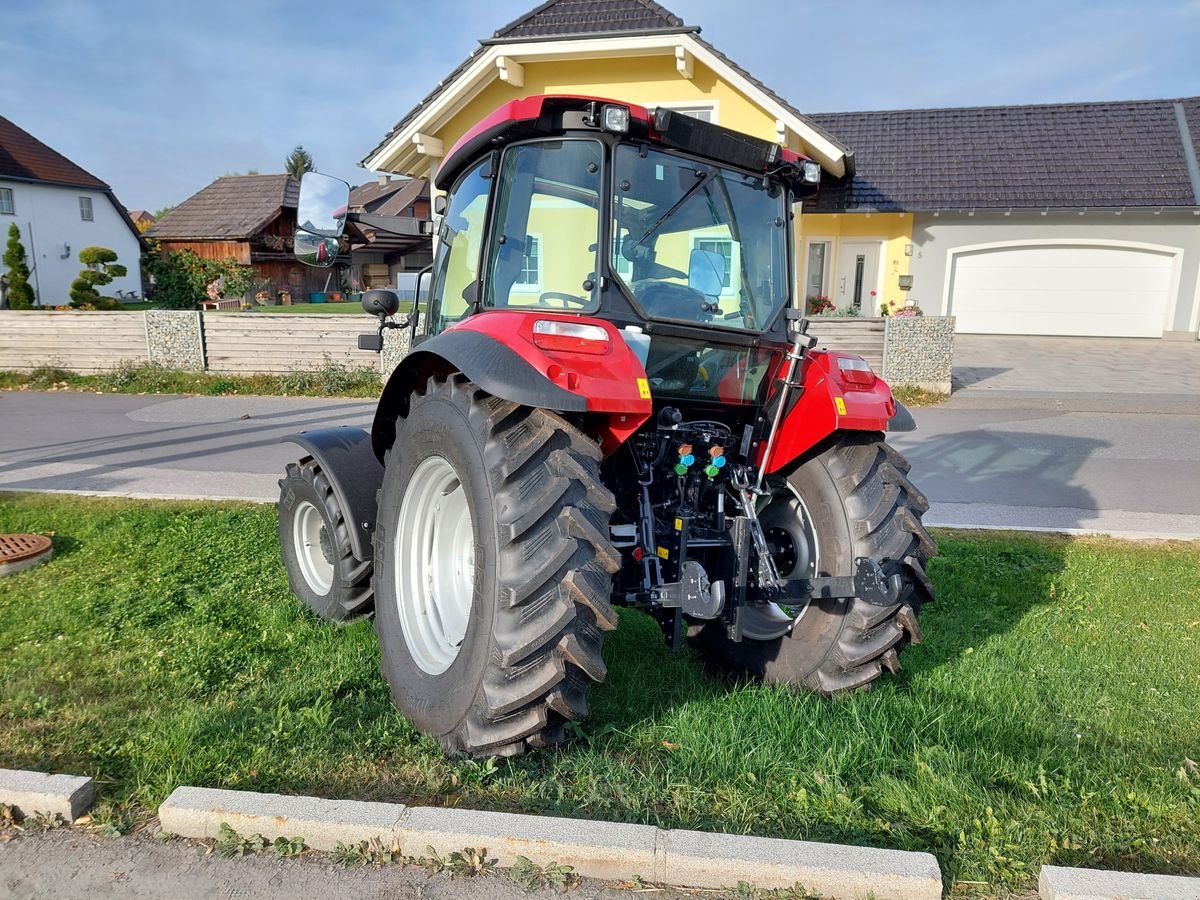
<point>1061,883</point>
<point>700,859</point>
<point>606,850</point>
<point>31,793</point>
<point>198,813</point>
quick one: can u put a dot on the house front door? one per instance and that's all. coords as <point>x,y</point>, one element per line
<point>857,276</point>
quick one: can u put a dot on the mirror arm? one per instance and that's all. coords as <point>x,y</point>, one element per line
<point>404,225</point>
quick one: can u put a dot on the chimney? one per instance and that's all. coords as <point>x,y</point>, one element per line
<point>384,178</point>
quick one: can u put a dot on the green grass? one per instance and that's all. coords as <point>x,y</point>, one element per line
<point>1052,714</point>
<point>912,396</point>
<point>331,380</point>
<point>349,308</point>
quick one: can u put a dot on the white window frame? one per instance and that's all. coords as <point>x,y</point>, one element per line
<point>688,106</point>
<point>87,213</point>
<point>735,254</point>
<point>526,287</point>
<point>11,209</point>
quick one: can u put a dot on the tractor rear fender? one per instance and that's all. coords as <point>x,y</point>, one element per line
<point>600,382</point>
<point>835,398</point>
<point>348,461</point>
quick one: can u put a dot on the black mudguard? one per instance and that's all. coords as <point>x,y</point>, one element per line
<point>903,420</point>
<point>347,459</point>
<point>487,362</point>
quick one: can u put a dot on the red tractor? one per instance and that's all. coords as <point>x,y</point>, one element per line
<point>610,401</point>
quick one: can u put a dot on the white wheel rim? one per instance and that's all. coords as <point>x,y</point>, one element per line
<point>774,610</point>
<point>311,541</point>
<point>434,559</point>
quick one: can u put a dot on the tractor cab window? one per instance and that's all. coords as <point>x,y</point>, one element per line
<point>543,245</point>
<point>456,272</point>
<point>697,242</point>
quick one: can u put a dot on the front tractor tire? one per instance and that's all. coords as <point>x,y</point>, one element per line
<point>493,570</point>
<point>315,539</point>
<point>852,500</point>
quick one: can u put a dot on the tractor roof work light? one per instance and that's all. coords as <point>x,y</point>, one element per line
<point>615,118</point>
<point>812,172</point>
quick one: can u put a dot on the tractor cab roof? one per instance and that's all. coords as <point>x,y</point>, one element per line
<point>553,114</point>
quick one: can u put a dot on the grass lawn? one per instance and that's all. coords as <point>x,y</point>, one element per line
<point>1052,715</point>
<point>350,308</point>
<point>330,380</point>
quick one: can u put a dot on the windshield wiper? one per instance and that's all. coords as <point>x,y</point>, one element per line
<point>700,182</point>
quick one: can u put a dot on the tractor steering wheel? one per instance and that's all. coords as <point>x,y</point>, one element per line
<point>581,302</point>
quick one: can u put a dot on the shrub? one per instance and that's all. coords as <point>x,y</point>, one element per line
<point>181,277</point>
<point>102,268</point>
<point>20,294</point>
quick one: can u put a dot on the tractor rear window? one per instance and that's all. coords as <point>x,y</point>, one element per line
<point>543,248</point>
<point>697,242</point>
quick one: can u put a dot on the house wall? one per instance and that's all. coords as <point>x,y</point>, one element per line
<point>48,217</point>
<point>935,237</point>
<point>892,230</point>
<point>646,80</point>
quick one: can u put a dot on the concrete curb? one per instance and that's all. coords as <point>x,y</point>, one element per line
<point>34,793</point>
<point>606,850</point>
<point>1060,883</point>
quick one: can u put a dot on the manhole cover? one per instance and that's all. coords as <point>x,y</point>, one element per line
<point>23,551</point>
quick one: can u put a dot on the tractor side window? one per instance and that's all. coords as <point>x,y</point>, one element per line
<point>543,252</point>
<point>456,272</point>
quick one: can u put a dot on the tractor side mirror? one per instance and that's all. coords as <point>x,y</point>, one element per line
<point>706,272</point>
<point>323,203</point>
<point>380,302</point>
<point>315,250</point>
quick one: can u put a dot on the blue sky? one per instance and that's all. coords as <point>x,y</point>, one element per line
<point>158,98</point>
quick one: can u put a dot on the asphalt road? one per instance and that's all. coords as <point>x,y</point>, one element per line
<point>74,864</point>
<point>1123,464</point>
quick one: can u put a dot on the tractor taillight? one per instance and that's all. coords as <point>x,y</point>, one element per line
<point>570,337</point>
<point>855,371</point>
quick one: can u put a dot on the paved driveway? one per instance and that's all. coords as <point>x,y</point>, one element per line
<point>1076,365</point>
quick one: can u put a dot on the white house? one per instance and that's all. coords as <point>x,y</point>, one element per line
<point>60,209</point>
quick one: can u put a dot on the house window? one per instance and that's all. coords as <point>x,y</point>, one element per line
<point>724,246</point>
<point>703,111</point>
<point>6,202</point>
<point>85,209</point>
<point>530,278</point>
<point>817,279</point>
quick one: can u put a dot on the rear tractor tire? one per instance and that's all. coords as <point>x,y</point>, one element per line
<point>493,570</point>
<point>315,539</point>
<point>852,500</point>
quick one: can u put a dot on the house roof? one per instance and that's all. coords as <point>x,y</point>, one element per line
<point>389,199</point>
<point>1073,155</point>
<point>589,18</point>
<point>139,214</point>
<point>579,19</point>
<point>24,158</point>
<point>232,208</point>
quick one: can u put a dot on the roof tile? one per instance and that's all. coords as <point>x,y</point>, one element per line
<point>24,157</point>
<point>234,207</point>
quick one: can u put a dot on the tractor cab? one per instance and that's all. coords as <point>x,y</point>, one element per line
<point>676,231</point>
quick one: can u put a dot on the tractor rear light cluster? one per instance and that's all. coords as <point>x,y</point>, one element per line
<point>853,371</point>
<point>570,337</point>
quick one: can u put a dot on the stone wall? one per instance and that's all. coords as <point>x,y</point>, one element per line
<point>918,351</point>
<point>395,346</point>
<point>174,339</point>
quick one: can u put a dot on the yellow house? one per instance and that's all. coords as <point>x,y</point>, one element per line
<point>635,50</point>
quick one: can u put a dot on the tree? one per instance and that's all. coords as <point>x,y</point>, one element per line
<point>298,162</point>
<point>102,268</point>
<point>159,213</point>
<point>20,294</point>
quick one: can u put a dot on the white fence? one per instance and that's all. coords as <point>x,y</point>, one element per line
<point>241,343</point>
<point>75,341</point>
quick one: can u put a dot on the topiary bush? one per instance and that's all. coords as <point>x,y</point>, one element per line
<point>102,268</point>
<point>20,293</point>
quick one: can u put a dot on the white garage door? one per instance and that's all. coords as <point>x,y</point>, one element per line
<point>1061,289</point>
